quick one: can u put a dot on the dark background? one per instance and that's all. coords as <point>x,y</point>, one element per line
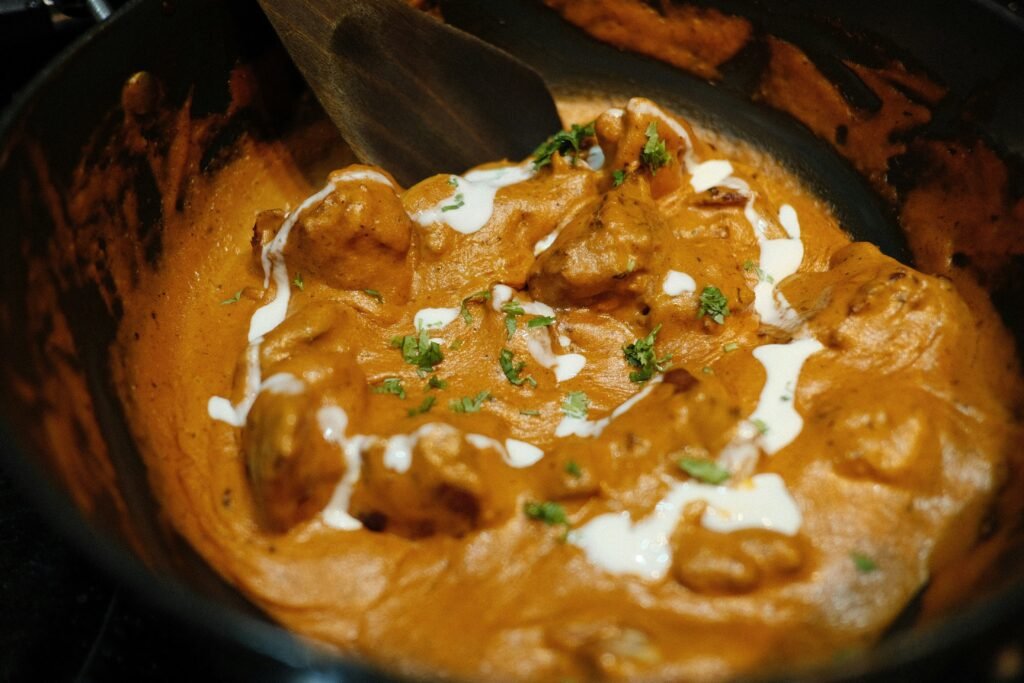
<point>60,618</point>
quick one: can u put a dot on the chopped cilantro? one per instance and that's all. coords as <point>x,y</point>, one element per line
<point>576,404</point>
<point>562,142</point>
<point>436,382</point>
<point>391,385</point>
<point>233,300</point>
<point>631,264</point>
<point>707,370</point>
<point>298,282</point>
<point>470,404</point>
<point>762,427</point>
<point>455,345</point>
<point>618,177</point>
<point>640,354</point>
<point>424,407</point>
<point>453,181</point>
<point>713,304</point>
<point>655,153</point>
<point>541,321</point>
<point>703,470</point>
<point>532,413</point>
<point>419,350</point>
<point>511,309</point>
<point>863,563</point>
<point>730,347</point>
<point>573,469</point>
<point>375,294</point>
<point>481,296</point>
<point>547,512</point>
<point>459,202</point>
<point>512,369</point>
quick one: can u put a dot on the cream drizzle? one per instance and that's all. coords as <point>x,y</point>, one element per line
<point>775,422</point>
<point>435,318</point>
<point>613,542</point>
<point>776,408</point>
<point>708,174</point>
<point>565,366</point>
<point>779,259</point>
<point>515,453</point>
<point>580,426</point>
<point>333,421</point>
<point>471,204</point>
<point>677,283</point>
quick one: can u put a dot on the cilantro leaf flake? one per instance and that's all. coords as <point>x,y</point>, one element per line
<point>640,354</point>
<point>562,142</point>
<point>576,404</point>
<point>513,370</point>
<point>713,304</point>
<point>654,154</point>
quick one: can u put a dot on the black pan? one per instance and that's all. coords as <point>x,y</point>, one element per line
<point>975,48</point>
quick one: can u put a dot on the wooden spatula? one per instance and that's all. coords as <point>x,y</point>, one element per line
<point>409,93</point>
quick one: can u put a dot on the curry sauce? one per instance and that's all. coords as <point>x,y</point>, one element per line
<point>636,407</point>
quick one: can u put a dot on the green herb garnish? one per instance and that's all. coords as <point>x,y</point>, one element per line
<point>299,282</point>
<point>511,309</point>
<point>576,404</point>
<point>655,153</point>
<point>476,297</point>
<point>713,304</point>
<point>640,354</point>
<point>547,512</point>
<point>375,294</point>
<point>703,470</point>
<point>512,369</point>
<point>573,469</point>
<point>419,350</point>
<point>562,142</point>
<point>761,425</point>
<point>460,202</point>
<point>233,300</point>
<point>730,347</point>
<point>424,407</point>
<point>391,385</point>
<point>541,321</point>
<point>863,563</point>
<point>532,413</point>
<point>436,382</point>
<point>470,404</point>
<point>618,177</point>
<point>707,370</point>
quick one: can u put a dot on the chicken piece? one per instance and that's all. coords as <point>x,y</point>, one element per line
<point>709,562</point>
<point>602,251</point>
<point>292,467</point>
<point>358,237</point>
<point>867,301</point>
<point>659,153</point>
<point>450,486</point>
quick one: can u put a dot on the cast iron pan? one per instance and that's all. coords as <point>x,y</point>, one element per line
<point>973,47</point>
